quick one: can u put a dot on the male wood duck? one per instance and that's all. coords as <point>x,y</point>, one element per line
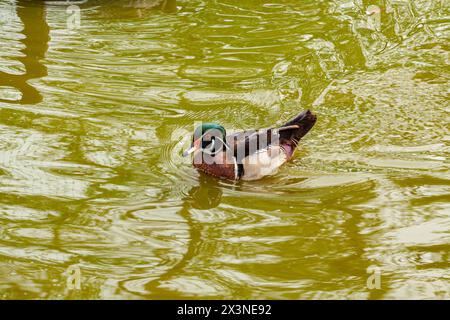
<point>248,155</point>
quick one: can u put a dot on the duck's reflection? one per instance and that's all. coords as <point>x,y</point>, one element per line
<point>36,32</point>
<point>206,195</point>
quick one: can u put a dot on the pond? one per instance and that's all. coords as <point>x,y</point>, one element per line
<point>98,99</point>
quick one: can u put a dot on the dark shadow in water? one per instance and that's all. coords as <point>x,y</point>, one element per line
<point>37,35</point>
<point>207,195</point>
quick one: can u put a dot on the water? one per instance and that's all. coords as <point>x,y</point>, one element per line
<point>93,121</point>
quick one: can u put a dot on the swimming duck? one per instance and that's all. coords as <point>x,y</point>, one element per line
<point>247,155</point>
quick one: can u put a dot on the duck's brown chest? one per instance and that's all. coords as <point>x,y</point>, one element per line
<point>220,166</point>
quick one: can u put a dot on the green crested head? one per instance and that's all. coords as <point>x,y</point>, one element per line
<point>209,128</point>
<point>208,136</point>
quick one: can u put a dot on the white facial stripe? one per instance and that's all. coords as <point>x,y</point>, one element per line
<point>211,145</point>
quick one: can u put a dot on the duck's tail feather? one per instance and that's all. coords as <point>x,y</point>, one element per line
<point>298,127</point>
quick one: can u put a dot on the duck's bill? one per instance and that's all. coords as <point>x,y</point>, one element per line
<point>194,146</point>
<point>189,151</point>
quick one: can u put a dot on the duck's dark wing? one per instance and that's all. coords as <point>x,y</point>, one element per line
<point>247,142</point>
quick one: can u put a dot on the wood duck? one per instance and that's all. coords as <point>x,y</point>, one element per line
<point>247,155</point>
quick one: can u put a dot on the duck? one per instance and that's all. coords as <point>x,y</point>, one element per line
<point>250,154</point>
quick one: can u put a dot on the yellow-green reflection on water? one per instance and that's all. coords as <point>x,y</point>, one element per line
<point>92,121</point>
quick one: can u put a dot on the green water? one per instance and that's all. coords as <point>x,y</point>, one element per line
<point>93,120</point>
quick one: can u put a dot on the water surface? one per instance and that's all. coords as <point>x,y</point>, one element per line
<point>93,119</point>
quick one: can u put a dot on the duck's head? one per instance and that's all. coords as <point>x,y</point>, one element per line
<point>208,137</point>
